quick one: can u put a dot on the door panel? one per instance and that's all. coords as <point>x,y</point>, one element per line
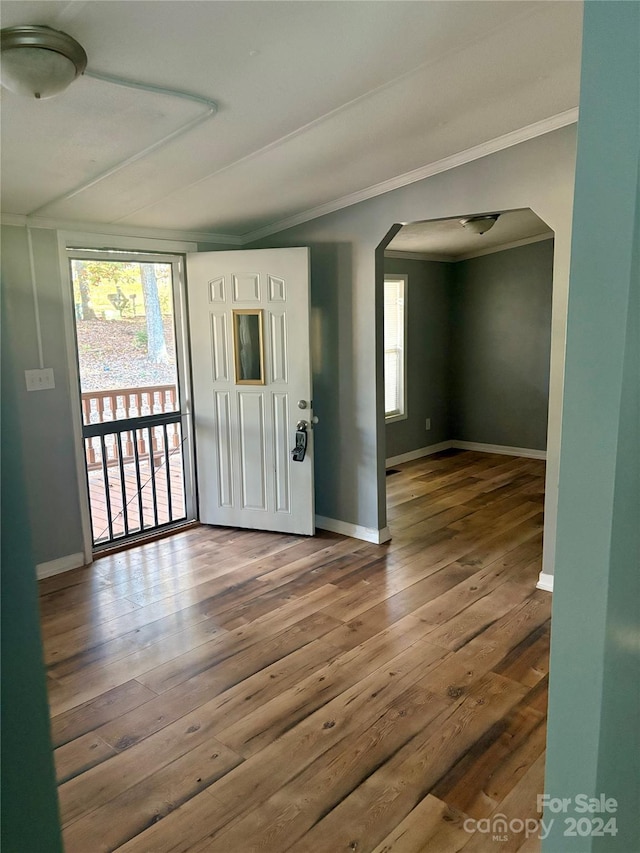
<point>245,432</point>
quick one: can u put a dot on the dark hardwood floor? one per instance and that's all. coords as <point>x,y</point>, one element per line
<point>226,691</point>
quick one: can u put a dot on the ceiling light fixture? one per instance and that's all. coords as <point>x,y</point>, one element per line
<point>480,224</point>
<point>38,61</point>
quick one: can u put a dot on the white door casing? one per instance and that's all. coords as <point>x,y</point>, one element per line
<point>244,433</point>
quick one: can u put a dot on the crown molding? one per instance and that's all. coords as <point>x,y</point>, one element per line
<point>120,230</point>
<point>492,146</point>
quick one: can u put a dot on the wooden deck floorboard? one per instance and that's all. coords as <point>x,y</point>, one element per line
<point>98,502</point>
<point>226,691</point>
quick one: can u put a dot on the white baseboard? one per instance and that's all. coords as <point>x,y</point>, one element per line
<point>527,452</point>
<point>355,531</point>
<point>62,564</point>
<point>545,582</point>
<point>419,453</point>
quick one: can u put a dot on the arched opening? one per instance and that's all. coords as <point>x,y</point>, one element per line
<point>464,359</point>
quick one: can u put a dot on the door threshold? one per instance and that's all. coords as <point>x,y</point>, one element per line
<point>143,539</point>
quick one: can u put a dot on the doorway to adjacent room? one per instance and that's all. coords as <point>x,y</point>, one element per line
<point>132,374</point>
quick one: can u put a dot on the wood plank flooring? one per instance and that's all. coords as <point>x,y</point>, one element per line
<point>226,691</point>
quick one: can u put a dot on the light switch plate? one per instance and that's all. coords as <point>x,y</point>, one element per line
<point>40,380</point>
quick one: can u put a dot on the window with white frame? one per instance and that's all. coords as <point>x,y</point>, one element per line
<point>395,322</point>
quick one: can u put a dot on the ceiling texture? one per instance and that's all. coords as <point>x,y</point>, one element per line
<point>320,104</point>
<point>449,240</point>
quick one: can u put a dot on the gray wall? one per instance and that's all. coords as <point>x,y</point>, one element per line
<point>428,330</point>
<point>593,742</point>
<point>45,421</point>
<point>29,819</point>
<point>478,350</point>
<point>501,340</point>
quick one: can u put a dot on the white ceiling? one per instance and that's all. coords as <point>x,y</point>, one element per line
<point>317,101</point>
<point>448,240</point>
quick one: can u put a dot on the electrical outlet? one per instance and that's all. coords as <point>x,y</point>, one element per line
<point>427,424</point>
<point>39,380</point>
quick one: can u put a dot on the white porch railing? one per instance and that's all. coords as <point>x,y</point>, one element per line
<point>122,403</point>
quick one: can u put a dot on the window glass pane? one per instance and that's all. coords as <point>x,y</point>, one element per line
<point>126,339</point>
<point>390,386</point>
<point>394,346</point>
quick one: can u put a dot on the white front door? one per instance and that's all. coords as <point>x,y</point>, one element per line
<point>250,359</point>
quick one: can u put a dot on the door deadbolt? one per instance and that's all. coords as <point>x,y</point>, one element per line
<point>298,452</point>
